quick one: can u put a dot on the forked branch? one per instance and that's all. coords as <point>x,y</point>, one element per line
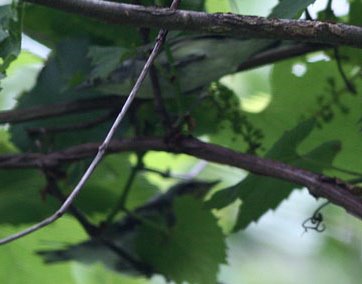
<point>103,147</point>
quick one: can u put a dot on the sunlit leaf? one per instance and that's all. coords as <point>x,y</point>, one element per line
<point>10,35</point>
<point>290,8</point>
<point>260,194</point>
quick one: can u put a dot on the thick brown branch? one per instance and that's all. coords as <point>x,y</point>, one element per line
<point>317,184</point>
<point>225,24</point>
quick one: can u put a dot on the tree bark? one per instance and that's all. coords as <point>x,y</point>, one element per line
<point>220,23</point>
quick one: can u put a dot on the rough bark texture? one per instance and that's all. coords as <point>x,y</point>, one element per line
<point>221,23</point>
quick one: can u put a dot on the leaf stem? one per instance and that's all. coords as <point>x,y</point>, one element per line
<point>121,203</point>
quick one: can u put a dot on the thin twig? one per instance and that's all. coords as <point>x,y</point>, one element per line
<point>160,106</point>
<point>121,203</point>
<point>159,101</point>
<point>349,85</point>
<point>53,189</point>
<point>102,149</point>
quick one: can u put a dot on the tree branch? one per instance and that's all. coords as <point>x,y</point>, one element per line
<point>47,111</point>
<point>278,54</point>
<point>104,146</point>
<point>337,192</point>
<point>221,23</point>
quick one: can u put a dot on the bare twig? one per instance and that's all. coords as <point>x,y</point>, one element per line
<point>102,148</point>
<point>159,102</point>
<point>156,88</point>
<point>225,24</point>
<point>53,189</point>
<point>349,85</point>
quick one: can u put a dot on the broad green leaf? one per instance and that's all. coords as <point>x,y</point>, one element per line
<point>123,233</point>
<point>56,83</point>
<point>19,263</point>
<point>21,197</point>
<point>193,248</point>
<point>10,34</point>
<point>260,194</point>
<point>355,11</point>
<point>348,54</point>
<point>283,150</point>
<point>290,8</point>
<point>105,60</point>
<point>191,4</point>
<point>319,94</point>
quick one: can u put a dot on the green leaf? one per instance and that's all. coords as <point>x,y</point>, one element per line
<point>105,60</point>
<point>10,34</point>
<point>50,27</point>
<point>19,264</point>
<point>355,11</point>
<point>196,5</point>
<point>348,54</point>
<point>20,197</point>
<point>319,94</point>
<point>55,84</point>
<point>290,8</point>
<point>260,194</point>
<point>193,248</point>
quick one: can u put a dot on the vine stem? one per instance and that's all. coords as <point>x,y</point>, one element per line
<point>103,147</point>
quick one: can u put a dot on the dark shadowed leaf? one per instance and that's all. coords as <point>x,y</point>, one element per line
<point>193,248</point>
